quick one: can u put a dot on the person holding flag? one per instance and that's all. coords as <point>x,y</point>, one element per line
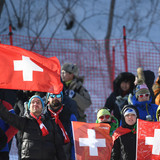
<point>104,116</point>
<point>40,139</point>
<point>124,137</point>
<point>60,114</point>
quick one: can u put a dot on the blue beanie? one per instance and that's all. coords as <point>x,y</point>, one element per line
<point>35,96</point>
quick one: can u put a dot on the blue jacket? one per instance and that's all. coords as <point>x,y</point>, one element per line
<point>145,108</point>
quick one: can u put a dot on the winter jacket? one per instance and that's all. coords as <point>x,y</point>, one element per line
<point>65,116</point>
<point>118,98</point>
<point>123,145</point>
<point>81,96</point>
<point>3,139</point>
<point>71,105</point>
<point>124,139</point>
<point>145,108</point>
<point>34,146</point>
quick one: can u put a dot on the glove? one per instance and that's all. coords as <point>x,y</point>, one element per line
<point>71,93</point>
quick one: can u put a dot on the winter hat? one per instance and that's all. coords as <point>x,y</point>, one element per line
<point>71,68</point>
<point>35,96</point>
<point>141,88</point>
<point>102,112</point>
<point>129,111</point>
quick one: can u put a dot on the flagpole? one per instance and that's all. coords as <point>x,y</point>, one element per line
<point>113,64</point>
<point>125,49</point>
<point>10,34</point>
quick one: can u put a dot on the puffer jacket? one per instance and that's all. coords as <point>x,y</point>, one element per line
<point>124,139</point>
<point>145,108</point>
<point>65,116</point>
<point>123,145</point>
<point>34,146</point>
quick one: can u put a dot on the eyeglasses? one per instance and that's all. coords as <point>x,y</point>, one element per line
<point>143,95</point>
<point>104,117</point>
<point>55,95</point>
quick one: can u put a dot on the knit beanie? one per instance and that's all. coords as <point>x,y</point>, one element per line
<point>141,88</point>
<point>126,109</point>
<point>35,96</point>
<point>71,68</point>
<point>129,111</point>
<point>102,112</point>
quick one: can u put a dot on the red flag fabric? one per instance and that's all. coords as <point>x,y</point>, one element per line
<point>25,70</point>
<point>92,141</point>
<point>148,140</point>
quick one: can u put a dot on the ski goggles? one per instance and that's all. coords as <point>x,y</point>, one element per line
<point>143,95</point>
<point>104,117</point>
<point>55,95</point>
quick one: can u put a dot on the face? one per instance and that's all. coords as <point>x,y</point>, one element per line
<point>104,118</point>
<point>143,97</point>
<point>130,119</point>
<point>55,100</point>
<point>66,76</point>
<point>125,86</point>
<point>36,107</point>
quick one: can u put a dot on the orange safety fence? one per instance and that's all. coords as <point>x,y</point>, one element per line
<point>97,64</point>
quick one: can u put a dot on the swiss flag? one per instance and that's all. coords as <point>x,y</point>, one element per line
<point>25,70</point>
<point>148,140</point>
<point>92,141</point>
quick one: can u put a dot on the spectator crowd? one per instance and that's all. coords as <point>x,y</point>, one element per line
<point>41,122</point>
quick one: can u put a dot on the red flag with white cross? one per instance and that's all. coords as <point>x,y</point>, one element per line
<point>148,140</point>
<point>92,141</point>
<point>25,70</point>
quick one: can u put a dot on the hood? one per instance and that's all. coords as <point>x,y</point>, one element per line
<point>124,76</point>
<point>124,124</point>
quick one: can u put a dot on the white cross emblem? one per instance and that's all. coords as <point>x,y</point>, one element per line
<point>27,67</point>
<point>92,142</point>
<point>155,141</point>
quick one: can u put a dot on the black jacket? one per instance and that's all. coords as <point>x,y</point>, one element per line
<point>123,145</point>
<point>3,139</point>
<point>111,100</point>
<point>34,146</point>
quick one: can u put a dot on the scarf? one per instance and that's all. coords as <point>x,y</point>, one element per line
<point>121,131</point>
<point>57,121</point>
<point>41,125</point>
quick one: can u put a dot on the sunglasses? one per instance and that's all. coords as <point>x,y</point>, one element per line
<point>104,117</point>
<point>143,95</point>
<point>55,95</point>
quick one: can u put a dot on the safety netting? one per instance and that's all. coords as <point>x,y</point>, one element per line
<point>96,59</point>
